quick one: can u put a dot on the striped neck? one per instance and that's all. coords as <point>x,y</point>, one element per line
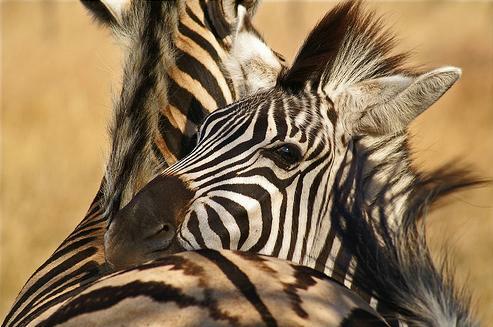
<point>77,262</point>
<point>376,173</point>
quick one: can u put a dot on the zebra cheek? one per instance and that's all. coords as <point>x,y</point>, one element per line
<point>145,229</point>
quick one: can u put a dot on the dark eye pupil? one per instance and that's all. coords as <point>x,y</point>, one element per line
<point>289,153</point>
<point>286,151</point>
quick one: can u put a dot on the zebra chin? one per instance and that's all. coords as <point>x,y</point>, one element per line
<point>145,229</point>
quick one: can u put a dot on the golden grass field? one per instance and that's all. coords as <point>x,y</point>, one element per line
<point>58,70</point>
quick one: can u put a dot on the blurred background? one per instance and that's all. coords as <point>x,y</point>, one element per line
<point>58,70</point>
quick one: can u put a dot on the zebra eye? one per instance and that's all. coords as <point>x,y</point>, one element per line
<point>286,155</point>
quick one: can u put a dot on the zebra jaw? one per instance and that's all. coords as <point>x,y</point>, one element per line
<point>145,229</point>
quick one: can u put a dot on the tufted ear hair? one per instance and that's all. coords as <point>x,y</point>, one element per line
<point>389,104</point>
<point>106,12</point>
<point>348,57</point>
<point>320,48</point>
<point>251,64</point>
<point>348,45</point>
<point>223,14</point>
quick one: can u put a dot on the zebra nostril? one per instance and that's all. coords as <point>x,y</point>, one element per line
<point>165,232</point>
<point>160,241</point>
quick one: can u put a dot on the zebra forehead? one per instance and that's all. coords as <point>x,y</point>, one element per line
<point>285,104</point>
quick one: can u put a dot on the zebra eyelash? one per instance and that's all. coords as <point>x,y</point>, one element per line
<point>286,155</point>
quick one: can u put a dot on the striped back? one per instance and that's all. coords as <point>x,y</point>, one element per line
<point>173,75</point>
<point>215,288</point>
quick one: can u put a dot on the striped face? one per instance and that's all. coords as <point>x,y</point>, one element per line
<point>261,176</point>
<point>259,180</point>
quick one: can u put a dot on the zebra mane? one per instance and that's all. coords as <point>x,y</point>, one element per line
<point>394,262</point>
<point>149,54</point>
<point>347,46</point>
<point>148,31</point>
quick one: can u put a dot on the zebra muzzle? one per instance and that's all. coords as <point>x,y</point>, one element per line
<point>145,229</point>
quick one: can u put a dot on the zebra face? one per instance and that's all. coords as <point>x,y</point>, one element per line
<point>239,187</point>
<point>257,165</point>
<point>262,175</point>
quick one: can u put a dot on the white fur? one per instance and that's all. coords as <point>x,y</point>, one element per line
<point>252,65</point>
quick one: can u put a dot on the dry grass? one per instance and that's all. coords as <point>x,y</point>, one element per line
<point>57,72</point>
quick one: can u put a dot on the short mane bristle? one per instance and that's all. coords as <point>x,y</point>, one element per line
<point>348,45</point>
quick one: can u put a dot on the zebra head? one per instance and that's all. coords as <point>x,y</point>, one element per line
<point>262,175</point>
<point>182,60</point>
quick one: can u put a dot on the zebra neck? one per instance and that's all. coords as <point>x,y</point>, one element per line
<point>76,262</point>
<point>375,174</point>
<point>385,178</point>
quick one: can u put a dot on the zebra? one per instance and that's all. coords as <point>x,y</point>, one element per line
<point>225,288</point>
<point>383,212</point>
<point>210,37</point>
<point>267,169</point>
<point>216,67</point>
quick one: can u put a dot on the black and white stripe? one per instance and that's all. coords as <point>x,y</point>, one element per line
<point>276,174</point>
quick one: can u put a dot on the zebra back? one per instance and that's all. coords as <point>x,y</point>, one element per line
<point>215,288</point>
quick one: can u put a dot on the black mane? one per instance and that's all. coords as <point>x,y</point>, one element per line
<point>347,45</point>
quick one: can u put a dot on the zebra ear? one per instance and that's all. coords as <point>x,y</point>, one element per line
<point>251,63</point>
<point>223,13</point>
<point>106,12</point>
<point>320,48</point>
<point>230,7</point>
<point>389,104</point>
